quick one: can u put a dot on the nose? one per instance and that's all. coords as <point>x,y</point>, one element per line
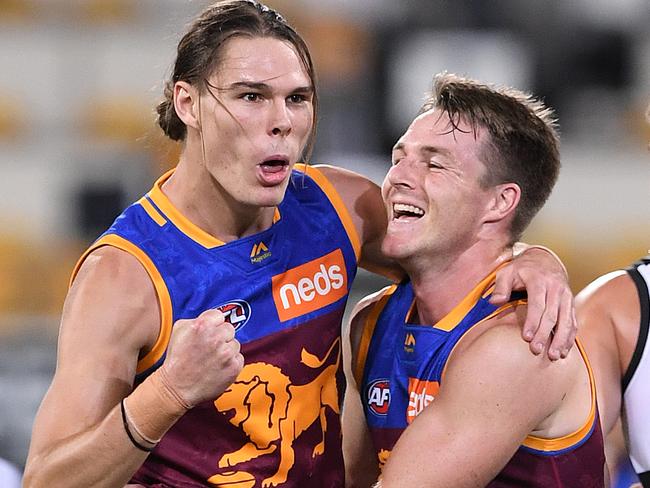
<point>280,120</point>
<point>401,175</point>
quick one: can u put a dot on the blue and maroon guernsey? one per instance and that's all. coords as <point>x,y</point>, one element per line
<point>400,368</point>
<point>284,290</point>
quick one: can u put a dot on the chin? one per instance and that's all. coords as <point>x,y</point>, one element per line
<point>394,250</point>
<point>269,197</point>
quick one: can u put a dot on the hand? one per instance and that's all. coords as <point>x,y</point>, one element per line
<point>203,358</point>
<point>550,300</point>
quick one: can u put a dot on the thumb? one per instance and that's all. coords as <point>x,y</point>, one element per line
<point>502,287</point>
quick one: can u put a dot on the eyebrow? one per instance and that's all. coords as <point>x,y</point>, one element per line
<point>255,85</point>
<point>425,149</point>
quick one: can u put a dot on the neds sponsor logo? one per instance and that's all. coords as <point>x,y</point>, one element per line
<point>310,286</point>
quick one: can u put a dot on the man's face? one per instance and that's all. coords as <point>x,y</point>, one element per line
<point>432,194</point>
<point>256,117</point>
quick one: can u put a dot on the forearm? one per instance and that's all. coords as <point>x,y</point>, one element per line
<point>448,462</point>
<point>521,247</point>
<point>361,466</point>
<point>104,455</point>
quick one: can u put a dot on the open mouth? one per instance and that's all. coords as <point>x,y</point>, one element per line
<point>406,212</point>
<point>273,171</point>
<point>274,164</point>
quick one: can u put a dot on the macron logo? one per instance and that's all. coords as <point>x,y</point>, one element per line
<point>310,286</point>
<point>259,253</point>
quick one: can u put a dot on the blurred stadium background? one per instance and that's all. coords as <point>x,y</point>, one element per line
<point>78,141</point>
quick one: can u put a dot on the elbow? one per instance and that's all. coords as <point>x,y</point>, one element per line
<point>36,474</point>
<point>30,478</point>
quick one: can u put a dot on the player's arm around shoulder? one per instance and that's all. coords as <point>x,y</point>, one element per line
<point>110,316</point>
<point>361,467</point>
<point>362,199</point>
<point>493,394</point>
<point>608,311</point>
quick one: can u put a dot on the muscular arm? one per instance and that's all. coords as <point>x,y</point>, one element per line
<point>494,393</point>
<point>110,319</point>
<point>110,315</point>
<point>608,311</point>
<point>361,465</point>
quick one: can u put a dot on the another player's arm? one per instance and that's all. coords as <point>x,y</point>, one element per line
<point>361,465</point>
<point>363,201</point>
<point>551,311</point>
<point>493,395</point>
<point>541,274</point>
<point>110,319</point>
<point>608,311</point>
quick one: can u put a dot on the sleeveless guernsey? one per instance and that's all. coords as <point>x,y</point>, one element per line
<point>401,366</point>
<point>284,290</point>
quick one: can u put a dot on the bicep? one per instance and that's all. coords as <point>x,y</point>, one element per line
<point>109,316</point>
<point>489,401</point>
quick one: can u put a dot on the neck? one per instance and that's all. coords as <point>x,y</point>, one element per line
<point>441,282</point>
<point>202,200</point>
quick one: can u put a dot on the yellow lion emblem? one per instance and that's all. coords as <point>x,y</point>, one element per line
<point>269,408</point>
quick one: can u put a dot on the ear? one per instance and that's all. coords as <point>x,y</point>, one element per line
<point>187,104</point>
<point>504,202</point>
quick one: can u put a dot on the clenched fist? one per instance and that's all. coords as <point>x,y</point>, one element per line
<point>203,358</point>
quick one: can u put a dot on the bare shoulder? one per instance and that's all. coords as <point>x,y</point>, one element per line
<point>493,369</point>
<point>611,299</point>
<point>114,288</point>
<point>497,342</point>
<point>499,336</point>
<point>609,316</point>
<point>607,291</point>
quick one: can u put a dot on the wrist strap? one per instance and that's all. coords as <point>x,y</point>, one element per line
<point>125,421</point>
<point>152,408</point>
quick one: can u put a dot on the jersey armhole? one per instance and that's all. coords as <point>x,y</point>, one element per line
<point>337,202</point>
<point>579,436</point>
<point>368,330</point>
<point>162,292</point>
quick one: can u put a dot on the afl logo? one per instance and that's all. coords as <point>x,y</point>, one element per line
<point>378,395</point>
<point>236,313</point>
